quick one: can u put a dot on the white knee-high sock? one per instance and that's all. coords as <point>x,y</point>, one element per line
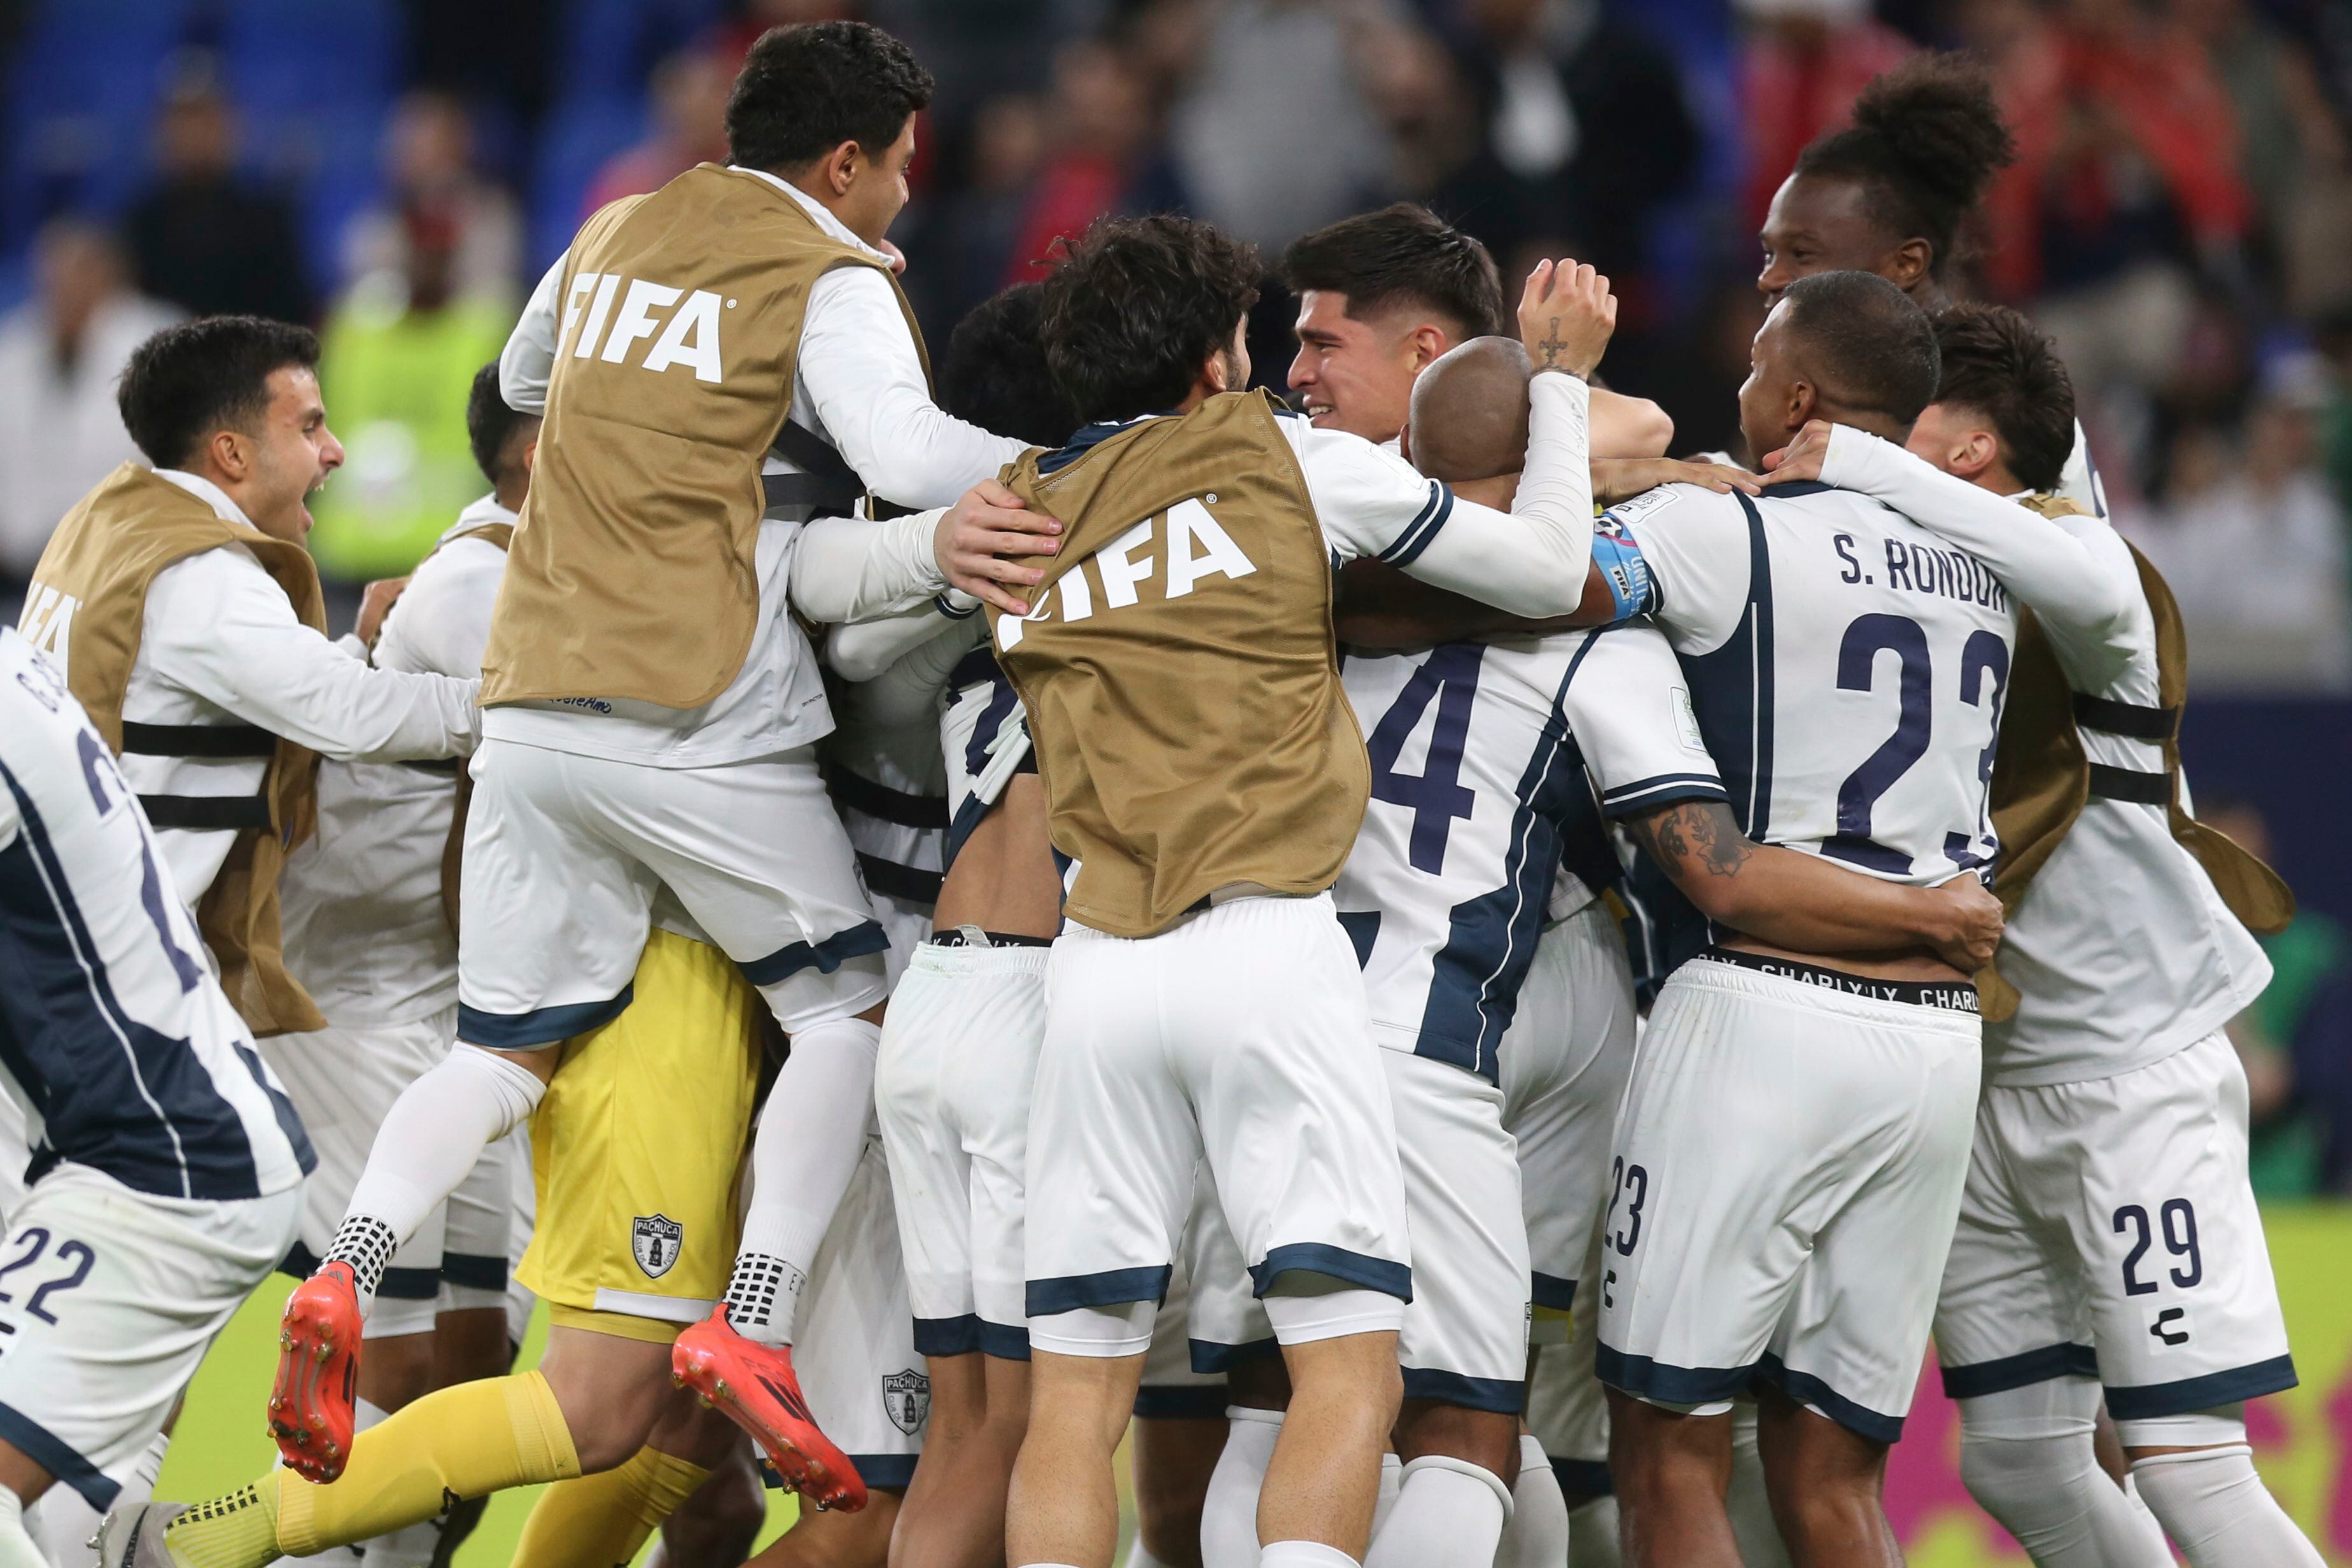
<point>2027,1456</point>
<point>1747,1501</point>
<point>1384,1502</point>
<point>1536,1536</point>
<point>2217,1510</point>
<point>1592,1536</point>
<point>807,1148</point>
<point>1450,1513</point>
<point>1229,1511</point>
<point>17,1547</point>
<point>429,1139</point>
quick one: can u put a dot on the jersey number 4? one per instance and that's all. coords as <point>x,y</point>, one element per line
<point>1437,801</point>
<point>1984,654</point>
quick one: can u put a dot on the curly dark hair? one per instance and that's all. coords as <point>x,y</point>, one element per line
<point>1996,362</point>
<point>995,373</point>
<point>1402,252</point>
<point>1870,342</point>
<point>1137,306</point>
<point>189,381</point>
<point>803,90</point>
<point>1927,139</point>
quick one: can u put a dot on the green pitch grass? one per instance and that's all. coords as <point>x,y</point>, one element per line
<point>221,1442</point>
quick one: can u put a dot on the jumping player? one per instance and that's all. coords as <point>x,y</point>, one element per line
<point>650,698</point>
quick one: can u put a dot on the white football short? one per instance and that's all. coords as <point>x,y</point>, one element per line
<point>854,1349</point>
<point>2108,1230</point>
<point>1563,1065</point>
<point>905,925</point>
<point>1567,1409</point>
<point>564,854</point>
<point>1463,1341</point>
<point>1785,1180</point>
<point>342,1082</point>
<point>109,1298</point>
<point>951,1089</point>
<point>1238,1036</point>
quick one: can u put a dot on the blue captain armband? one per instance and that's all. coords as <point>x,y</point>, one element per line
<point>1631,592</point>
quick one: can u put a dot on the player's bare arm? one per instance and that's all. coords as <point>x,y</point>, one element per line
<point>1801,902</point>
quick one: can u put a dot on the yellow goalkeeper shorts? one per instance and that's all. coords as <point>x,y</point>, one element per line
<point>637,1149</point>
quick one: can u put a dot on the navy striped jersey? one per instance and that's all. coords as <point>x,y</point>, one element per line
<point>114,1035</point>
<point>1493,765</point>
<point>1847,666</point>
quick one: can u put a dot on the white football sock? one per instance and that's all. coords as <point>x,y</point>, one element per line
<point>1229,1511</point>
<point>17,1547</point>
<point>62,1523</point>
<point>1391,1483</point>
<point>2027,1456</point>
<point>1536,1536</point>
<point>1592,1535</point>
<point>1747,1501</point>
<point>429,1141</point>
<point>810,1139</point>
<point>2139,1506</point>
<point>2218,1511</point>
<point>1303,1555</point>
<point>1450,1513</point>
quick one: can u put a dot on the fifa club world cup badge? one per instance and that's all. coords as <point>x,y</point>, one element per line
<point>906,1398</point>
<point>655,1238</point>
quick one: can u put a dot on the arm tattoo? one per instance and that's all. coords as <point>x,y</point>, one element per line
<point>1695,835</point>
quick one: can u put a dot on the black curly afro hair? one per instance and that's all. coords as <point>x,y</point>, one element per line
<point>1927,139</point>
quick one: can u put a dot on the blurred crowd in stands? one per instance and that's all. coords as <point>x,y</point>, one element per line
<point>398,172</point>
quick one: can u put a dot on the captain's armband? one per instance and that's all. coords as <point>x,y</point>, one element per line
<point>1618,556</point>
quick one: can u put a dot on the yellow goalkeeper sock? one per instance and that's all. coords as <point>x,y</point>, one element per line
<point>596,1520</point>
<point>455,1444</point>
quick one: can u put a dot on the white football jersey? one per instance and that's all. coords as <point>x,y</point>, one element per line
<point>114,1035</point>
<point>361,902</point>
<point>1480,754</point>
<point>1847,667</point>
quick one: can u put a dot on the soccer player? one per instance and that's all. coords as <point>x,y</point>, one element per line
<point>185,615</point>
<point>960,1046</point>
<point>370,938</point>
<point>1795,1135</point>
<point>1889,192</point>
<point>2108,1235</point>
<point>652,706</point>
<point>1382,296</point>
<point>1202,768</point>
<point>170,1173</point>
